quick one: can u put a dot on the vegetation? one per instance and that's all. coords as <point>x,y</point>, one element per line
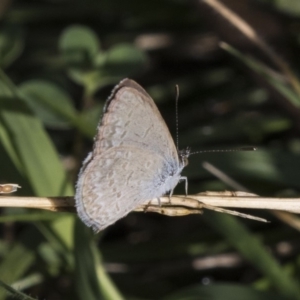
<point>58,63</point>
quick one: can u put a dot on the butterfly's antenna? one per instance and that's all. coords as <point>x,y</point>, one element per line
<point>176,109</point>
<point>226,150</point>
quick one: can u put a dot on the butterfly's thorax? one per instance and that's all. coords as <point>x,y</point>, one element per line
<point>168,177</point>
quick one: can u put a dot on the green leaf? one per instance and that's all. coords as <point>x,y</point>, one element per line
<point>253,250</point>
<point>277,83</point>
<point>230,130</point>
<point>32,217</point>
<point>11,44</point>
<point>20,257</point>
<point>36,154</point>
<point>278,168</point>
<point>59,235</point>
<point>28,281</point>
<point>92,281</point>
<point>54,106</point>
<point>79,46</point>
<point>16,294</point>
<point>91,117</point>
<point>223,292</point>
<point>50,103</point>
<point>122,60</point>
<point>291,7</point>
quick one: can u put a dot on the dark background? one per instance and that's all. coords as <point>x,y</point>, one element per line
<point>59,61</point>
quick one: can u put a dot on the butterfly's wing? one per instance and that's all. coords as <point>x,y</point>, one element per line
<point>115,182</point>
<point>134,158</point>
<point>132,118</point>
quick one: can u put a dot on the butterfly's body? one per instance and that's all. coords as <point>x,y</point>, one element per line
<point>134,159</point>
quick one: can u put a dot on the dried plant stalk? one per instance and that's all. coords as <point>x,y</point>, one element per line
<point>254,37</point>
<point>8,188</point>
<point>176,206</point>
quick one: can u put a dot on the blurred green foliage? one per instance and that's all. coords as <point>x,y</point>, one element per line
<point>59,61</point>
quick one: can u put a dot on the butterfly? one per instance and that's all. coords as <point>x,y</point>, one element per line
<point>134,159</point>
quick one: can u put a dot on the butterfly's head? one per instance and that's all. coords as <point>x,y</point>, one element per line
<point>183,156</point>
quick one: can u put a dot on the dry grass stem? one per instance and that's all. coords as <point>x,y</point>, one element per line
<point>288,218</point>
<point>8,188</point>
<point>254,37</point>
<point>178,206</point>
<point>48,203</point>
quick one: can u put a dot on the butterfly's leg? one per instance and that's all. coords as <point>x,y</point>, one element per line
<point>159,202</point>
<point>147,206</point>
<point>149,203</point>
<point>186,184</point>
<point>186,188</point>
<point>170,196</point>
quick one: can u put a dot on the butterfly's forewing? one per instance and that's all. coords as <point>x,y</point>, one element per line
<point>132,118</point>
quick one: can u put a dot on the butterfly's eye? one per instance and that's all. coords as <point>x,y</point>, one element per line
<point>184,154</point>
